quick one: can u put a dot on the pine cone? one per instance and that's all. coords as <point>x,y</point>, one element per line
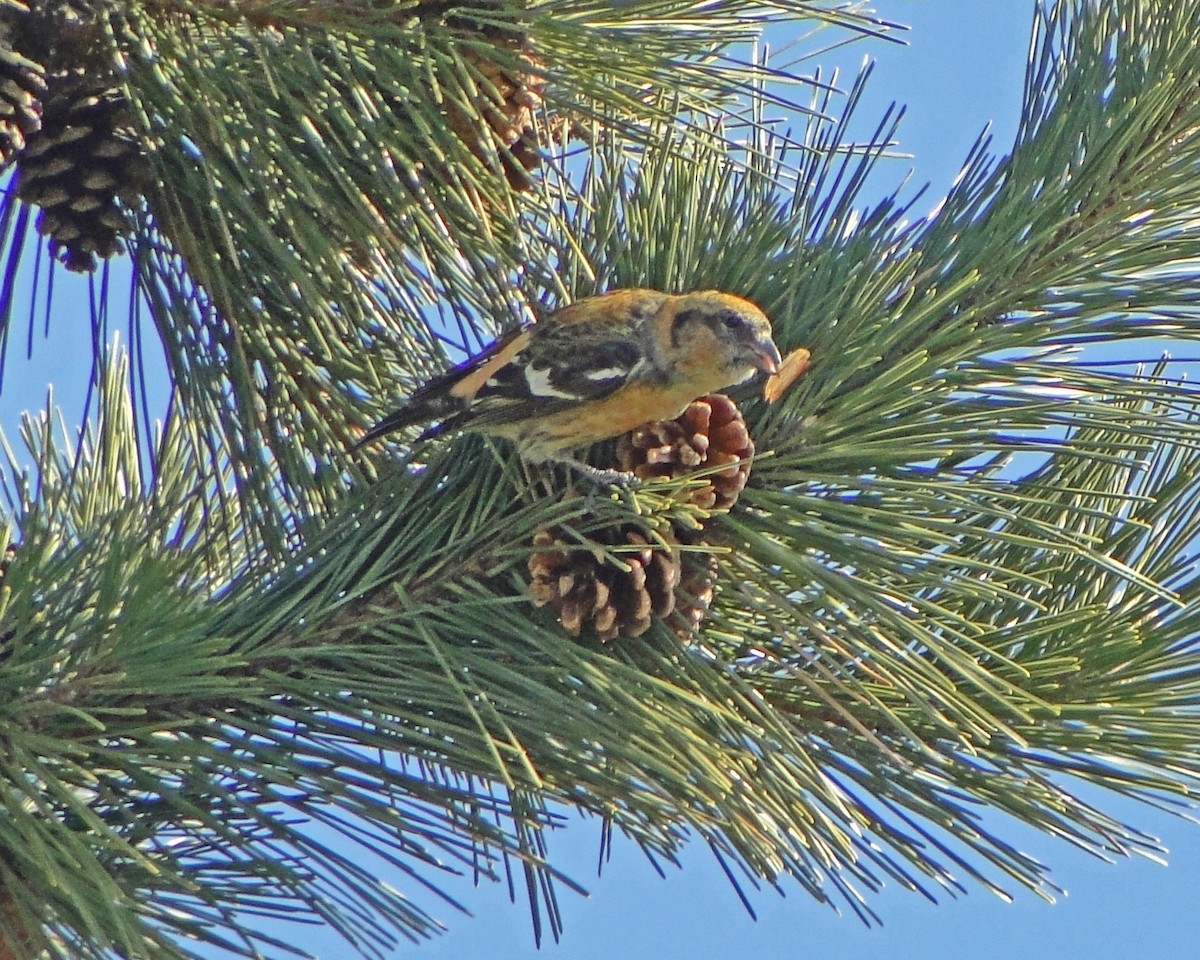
<point>585,588</point>
<point>694,594</point>
<point>15,939</point>
<point>22,83</point>
<point>509,95</point>
<point>78,165</point>
<point>710,432</point>
<point>507,101</point>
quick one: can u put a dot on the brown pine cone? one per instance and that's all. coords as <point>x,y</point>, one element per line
<point>585,588</point>
<point>77,166</point>
<point>709,433</point>
<point>509,95</point>
<point>22,83</point>
<point>15,937</point>
<point>694,594</point>
<point>507,102</point>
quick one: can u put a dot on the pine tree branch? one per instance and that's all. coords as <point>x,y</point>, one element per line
<point>961,577</point>
<point>325,190</point>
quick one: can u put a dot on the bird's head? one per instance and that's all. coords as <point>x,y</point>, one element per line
<point>728,332</point>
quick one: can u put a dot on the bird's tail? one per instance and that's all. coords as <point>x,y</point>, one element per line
<point>406,416</point>
<point>389,424</point>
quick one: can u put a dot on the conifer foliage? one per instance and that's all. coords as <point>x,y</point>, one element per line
<point>249,673</point>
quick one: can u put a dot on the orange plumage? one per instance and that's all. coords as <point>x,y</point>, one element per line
<point>596,369</point>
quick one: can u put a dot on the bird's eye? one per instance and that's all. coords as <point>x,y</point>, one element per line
<point>731,321</point>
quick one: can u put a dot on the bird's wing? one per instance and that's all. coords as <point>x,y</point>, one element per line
<point>450,393</point>
<point>583,352</point>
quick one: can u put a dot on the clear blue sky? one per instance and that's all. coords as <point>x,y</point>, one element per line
<point>961,69</point>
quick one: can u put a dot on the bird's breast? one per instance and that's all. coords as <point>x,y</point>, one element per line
<point>547,437</point>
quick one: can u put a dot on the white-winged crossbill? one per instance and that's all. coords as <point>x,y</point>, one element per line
<point>594,370</point>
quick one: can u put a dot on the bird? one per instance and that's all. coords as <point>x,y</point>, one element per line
<point>592,370</point>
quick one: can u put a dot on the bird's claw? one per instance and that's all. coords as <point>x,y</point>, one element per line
<point>605,478</point>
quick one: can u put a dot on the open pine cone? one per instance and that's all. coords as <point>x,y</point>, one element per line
<point>77,165</point>
<point>15,938</point>
<point>585,588</point>
<point>709,433</point>
<point>508,99</point>
<point>66,125</point>
<point>695,591</point>
<point>22,83</point>
<point>507,85</point>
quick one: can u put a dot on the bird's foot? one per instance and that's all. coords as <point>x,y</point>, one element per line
<point>601,477</point>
